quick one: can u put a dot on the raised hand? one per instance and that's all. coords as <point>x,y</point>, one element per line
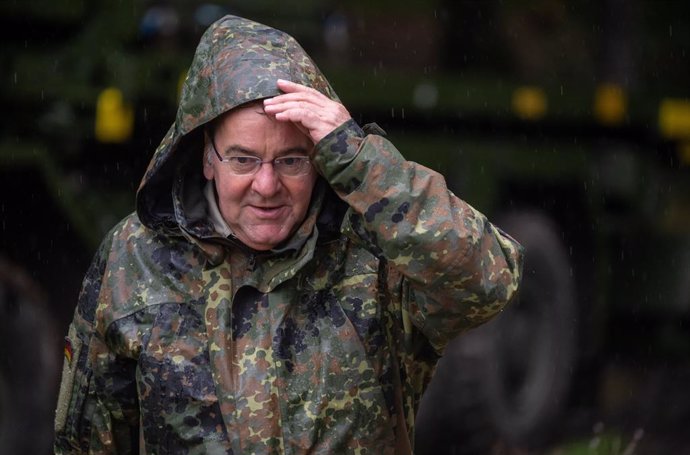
<point>311,111</point>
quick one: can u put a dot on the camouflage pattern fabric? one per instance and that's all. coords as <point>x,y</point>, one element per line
<point>184,342</point>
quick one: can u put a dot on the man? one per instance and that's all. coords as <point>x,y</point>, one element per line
<point>287,282</point>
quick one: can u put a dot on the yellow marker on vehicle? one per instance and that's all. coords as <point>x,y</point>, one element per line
<point>529,103</point>
<point>114,117</point>
<point>674,118</point>
<point>610,104</point>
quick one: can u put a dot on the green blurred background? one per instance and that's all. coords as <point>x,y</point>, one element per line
<point>568,123</point>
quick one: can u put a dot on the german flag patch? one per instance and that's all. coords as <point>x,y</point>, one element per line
<point>68,351</point>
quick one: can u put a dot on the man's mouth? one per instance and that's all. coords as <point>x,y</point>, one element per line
<point>268,212</point>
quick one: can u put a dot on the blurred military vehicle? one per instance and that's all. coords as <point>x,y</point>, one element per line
<point>569,125</point>
<point>87,88</point>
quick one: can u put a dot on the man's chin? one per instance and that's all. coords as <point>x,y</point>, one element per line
<point>265,240</point>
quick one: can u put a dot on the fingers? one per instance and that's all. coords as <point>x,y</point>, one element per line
<point>274,106</point>
<point>293,87</point>
<point>310,110</point>
<point>297,92</point>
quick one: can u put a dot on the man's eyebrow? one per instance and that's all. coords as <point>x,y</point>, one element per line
<point>291,150</point>
<point>238,149</point>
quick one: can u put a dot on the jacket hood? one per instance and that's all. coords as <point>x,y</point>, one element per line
<point>237,61</point>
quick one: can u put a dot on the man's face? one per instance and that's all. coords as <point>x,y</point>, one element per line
<point>264,208</point>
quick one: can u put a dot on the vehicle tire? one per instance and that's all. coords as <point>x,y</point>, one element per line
<point>506,383</point>
<point>29,365</point>
<point>453,418</point>
<point>532,348</point>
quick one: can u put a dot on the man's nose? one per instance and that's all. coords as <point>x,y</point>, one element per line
<point>266,180</point>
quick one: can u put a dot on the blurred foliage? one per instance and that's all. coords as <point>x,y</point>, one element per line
<point>602,443</point>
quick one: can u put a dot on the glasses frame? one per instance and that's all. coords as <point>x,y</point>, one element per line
<point>259,161</point>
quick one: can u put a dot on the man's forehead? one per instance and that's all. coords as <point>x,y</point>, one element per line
<point>249,127</point>
<point>244,118</point>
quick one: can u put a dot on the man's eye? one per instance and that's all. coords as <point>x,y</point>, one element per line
<point>293,161</point>
<point>243,159</point>
<point>290,161</point>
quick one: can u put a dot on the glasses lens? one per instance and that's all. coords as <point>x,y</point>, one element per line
<point>292,165</point>
<point>289,166</point>
<point>243,164</point>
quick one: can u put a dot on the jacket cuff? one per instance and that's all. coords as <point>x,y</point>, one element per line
<point>337,149</point>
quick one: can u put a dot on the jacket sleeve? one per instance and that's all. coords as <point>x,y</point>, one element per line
<point>458,269</point>
<point>96,410</point>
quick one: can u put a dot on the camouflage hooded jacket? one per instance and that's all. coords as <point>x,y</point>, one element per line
<point>186,342</point>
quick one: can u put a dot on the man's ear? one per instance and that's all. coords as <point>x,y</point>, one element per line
<point>208,167</point>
